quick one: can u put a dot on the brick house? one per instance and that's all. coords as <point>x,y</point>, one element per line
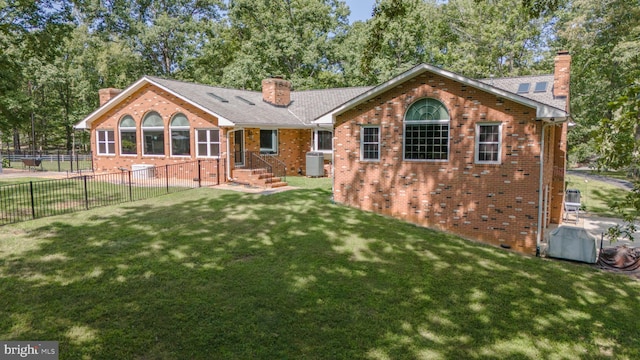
<point>157,122</point>
<point>483,159</point>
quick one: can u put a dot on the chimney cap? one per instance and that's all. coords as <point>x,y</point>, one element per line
<point>563,52</point>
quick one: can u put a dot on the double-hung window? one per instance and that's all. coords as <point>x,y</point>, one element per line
<point>370,143</point>
<point>106,142</point>
<point>426,131</point>
<point>128,145</point>
<point>208,142</point>
<point>488,143</point>
<point>323,140</point>
<point>180,136</point>
<point>153,134</point>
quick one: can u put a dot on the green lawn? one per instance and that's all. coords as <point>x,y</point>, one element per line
<point>49,165</point>
<point>212,274</point>
<point>597,197</point>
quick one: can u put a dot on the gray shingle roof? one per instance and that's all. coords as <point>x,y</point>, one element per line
<point>546,97</point>
<point>246,108</point>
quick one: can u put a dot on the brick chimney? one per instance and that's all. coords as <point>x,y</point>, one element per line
<point>108,94</point>
<point>561,75</point>
<point>276,91</point>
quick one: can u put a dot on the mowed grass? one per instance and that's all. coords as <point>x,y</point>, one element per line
<point>212,274</point>
<point>598,197</point>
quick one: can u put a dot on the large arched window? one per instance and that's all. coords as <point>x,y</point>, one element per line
<point>180,138</point>
<point>153,134</point>
<point>128,144</point>
<point>426,131</point>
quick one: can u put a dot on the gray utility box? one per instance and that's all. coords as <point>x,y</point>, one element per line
<point>573,243</point>
<point>315,164</point>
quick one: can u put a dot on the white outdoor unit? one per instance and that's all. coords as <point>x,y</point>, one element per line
<point>143,171</point>
<point>315,164</point>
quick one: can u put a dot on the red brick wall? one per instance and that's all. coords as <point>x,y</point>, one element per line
<point>495,204</point>
<point>137,105</point>
<point>293,145</point>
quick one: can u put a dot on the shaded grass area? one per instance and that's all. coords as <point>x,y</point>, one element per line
<point>211,274</point>
<point>598,197</point>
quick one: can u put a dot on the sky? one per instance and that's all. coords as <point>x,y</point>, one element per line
<point>360,9</point>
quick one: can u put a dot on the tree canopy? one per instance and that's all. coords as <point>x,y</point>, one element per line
<point>56,54</point>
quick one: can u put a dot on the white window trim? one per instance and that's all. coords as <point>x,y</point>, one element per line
<point>154,128</point>
<point>477,143</point>
<point>208,143</point>
<point>426,122</point>
<point>271,151</point>
<point>106,142</point>
<point>178,128</point>
<point>316,142</point>
<point>362,143</point>
<point>127,129</point>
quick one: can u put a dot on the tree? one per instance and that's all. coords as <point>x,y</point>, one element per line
<point>167,34</point>
<point>493,38</point>
<point>400,35</point>
<point>619,146</point>
<point>295,38</point>
<point>602,37</point>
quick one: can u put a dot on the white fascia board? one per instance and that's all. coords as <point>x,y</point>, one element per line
<point>542,111</point>
<point>86,122</point>
<point>326,119</point>
<point>271,126</point>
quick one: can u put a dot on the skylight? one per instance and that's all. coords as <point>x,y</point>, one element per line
<point>523,88</point>
<point>540,87</point>
<point>221,99</point>
<point>245,100</point>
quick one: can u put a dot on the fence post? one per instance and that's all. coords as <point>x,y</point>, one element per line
<point>199,174</point>
<point>59,167</point>
<point>86,193</point>
<point>33,202</point>
<point>166,176</point>
<point>130,189</point>
<point>218,170</point>
<point>71,161</point>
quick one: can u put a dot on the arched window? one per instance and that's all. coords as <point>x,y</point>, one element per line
<point>153,134</point>
<point>128,145</point>
<point>180,136</point>
<point>426,131</point>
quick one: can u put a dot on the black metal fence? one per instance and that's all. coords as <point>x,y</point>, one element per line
<point>37,199</point>
<point>49,160</point>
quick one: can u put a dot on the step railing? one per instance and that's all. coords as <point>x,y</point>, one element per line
<point>271,163</point>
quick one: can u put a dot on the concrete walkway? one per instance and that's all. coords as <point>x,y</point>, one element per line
<point>596,226</point>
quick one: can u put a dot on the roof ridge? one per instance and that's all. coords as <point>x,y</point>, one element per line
<point>514,77</point>
<point>156,78</point>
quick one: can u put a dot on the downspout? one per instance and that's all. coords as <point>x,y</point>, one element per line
<point>541,188</point>
<point>229,155</point>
